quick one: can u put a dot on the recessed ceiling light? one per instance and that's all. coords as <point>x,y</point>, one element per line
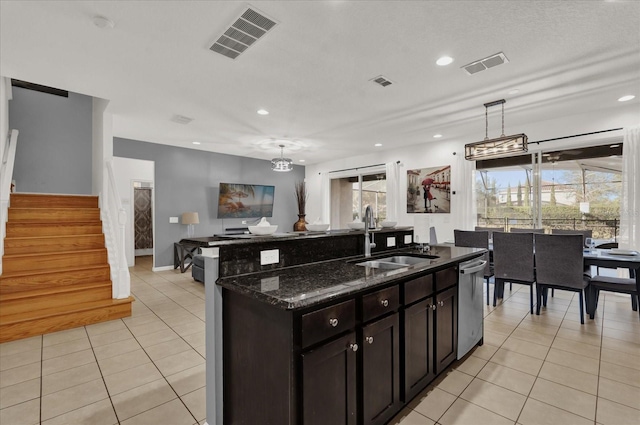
<point>614,146</point>
<point>263,112</point>
<point>444,60</point>
<point>627,97</point>
<point>301,160</point>
<point>196,143</point>
<point>437,136</point>
<point>103,23</point>
<point>378,145</point>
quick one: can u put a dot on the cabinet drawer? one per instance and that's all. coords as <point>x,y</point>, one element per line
<point>418,288</point>
<point>327,322</point>
<point>380,302</point>
<point>446,278</point>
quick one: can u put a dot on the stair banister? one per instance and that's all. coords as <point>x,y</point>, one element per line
<point>114,219</point>
<point>6,175</point>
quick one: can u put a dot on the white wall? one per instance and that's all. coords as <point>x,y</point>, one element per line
<point>126,172</point>
<point>102,135</point>
<point>420,156</point>
<point>5,97</point>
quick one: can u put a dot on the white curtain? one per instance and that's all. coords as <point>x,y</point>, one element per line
<point>630,205</point>
<point>463,203</point>
<point>393,190</point>
<point>325,198</point>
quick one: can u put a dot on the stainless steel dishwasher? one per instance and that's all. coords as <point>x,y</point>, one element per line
<point>470,309</point>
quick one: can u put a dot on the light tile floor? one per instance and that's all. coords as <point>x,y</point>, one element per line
<point>148,369</point>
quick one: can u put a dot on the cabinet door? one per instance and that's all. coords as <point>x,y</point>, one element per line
<point>329,383</point>
<point>418,347</point>
<point>446,328</point>
<point>381,370</point>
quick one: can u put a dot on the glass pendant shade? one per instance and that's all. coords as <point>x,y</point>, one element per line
<point>282,164</point>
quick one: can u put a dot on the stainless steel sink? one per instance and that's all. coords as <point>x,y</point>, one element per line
<point>396,261</point>
<point>376,264</point>
<point>404,259</point>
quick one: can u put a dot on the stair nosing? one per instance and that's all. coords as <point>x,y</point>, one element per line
<point>53,291</point>
<point>7,275</point>
<point>6,320</point>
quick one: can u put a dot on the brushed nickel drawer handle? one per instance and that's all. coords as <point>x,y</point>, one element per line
<point>433,306</point>
<point>353,347</point>
<point>441,303</point>
<point>333,322</point>
<point>385,303</point>
<point>369,339</point>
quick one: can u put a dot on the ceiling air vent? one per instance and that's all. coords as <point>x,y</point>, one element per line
<point>383,81</point>
<point>486,63</point>
<point>245,30</point>
<point>181,119</point>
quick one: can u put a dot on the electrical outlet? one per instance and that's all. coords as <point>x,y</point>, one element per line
<point>391,241</point>
<point>173,220</point>
<point>271,256</point>
<point>407,239</point>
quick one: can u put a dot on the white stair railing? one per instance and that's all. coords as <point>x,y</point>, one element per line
<point>114,220</point>
<point>6,175</point>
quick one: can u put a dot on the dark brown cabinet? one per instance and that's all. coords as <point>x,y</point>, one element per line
<point>419,367</point>
<point>329,383</point>
<point>446,328</point>
<point>380,370</point>
<point>430,329</point>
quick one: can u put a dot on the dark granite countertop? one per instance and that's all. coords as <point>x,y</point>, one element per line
<point>222,240</point>
<point>305,285</point>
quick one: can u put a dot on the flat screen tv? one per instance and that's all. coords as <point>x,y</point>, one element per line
<point>245,200</point>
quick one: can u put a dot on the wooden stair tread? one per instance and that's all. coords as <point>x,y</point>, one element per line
<point>59,311</point>
<point>36,238</point>
<point>32,293</point>
<point>21,273</point>
<point>38,254</point>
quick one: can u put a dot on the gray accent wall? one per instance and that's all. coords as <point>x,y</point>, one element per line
<point>54,149</point>
<point>188,180</point>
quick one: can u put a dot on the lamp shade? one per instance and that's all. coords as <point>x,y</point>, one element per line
<point>190,218</point>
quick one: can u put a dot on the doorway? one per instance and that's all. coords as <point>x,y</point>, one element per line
<point>143,219</point>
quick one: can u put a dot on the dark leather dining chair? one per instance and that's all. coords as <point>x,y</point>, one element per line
<point>585,233</point>
<point>613,284</point>
<point>522,230</point>
<point>559,265</point>
<point>513,262</point>
<point>490,230</point>
<point>476,239</point>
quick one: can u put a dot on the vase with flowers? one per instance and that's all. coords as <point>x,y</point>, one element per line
<point>301,199</point>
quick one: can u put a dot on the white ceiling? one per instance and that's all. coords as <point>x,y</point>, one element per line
<point>312,72</point>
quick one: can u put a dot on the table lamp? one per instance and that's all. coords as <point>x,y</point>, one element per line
<point>190,218</point>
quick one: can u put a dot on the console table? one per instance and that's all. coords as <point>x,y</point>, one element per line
<point>183,251</point>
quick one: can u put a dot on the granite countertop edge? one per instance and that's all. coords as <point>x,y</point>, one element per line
<point>343,275</point>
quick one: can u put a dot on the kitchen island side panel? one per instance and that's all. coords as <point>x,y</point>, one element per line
<point>258,347</point>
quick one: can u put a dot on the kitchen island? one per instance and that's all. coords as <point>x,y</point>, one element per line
<point>335,342</point>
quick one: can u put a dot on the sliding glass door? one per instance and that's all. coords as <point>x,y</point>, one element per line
<point>351,194</point>
<point>576,188</point>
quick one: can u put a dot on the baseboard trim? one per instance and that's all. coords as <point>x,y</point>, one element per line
<point>161,269</point>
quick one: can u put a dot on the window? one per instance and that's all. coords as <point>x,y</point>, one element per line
<point>351,195</point>
<point>569,189</point>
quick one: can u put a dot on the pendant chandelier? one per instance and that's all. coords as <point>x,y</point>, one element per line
<point>498,147</point>
<point>281,164</point>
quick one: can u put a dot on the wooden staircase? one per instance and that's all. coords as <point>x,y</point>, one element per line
<point>55,272</point>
